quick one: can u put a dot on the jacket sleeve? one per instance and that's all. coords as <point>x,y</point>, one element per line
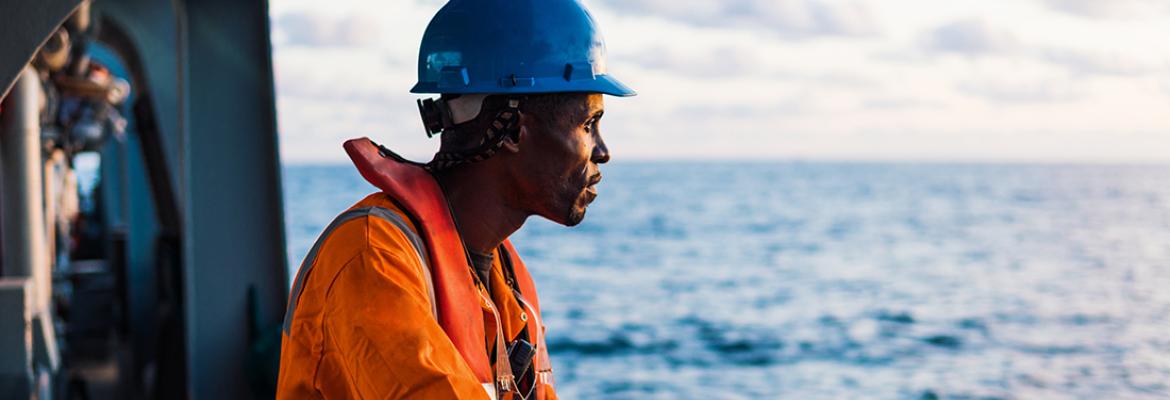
<point>380,324</point>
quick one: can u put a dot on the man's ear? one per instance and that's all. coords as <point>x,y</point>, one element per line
<point>512,143</point>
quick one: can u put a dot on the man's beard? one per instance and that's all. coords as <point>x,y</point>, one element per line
<point>574,216</point>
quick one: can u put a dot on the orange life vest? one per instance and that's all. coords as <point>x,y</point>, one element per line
<point>457,297</point>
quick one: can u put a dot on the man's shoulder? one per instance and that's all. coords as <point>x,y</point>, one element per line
<point>374,223</point>
<point>374,234</point>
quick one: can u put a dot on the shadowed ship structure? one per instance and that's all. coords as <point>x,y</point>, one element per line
<point>142,245</point>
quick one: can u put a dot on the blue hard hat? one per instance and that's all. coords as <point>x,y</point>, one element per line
<point>514,46</point>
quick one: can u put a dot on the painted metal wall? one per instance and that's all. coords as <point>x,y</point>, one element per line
<point>235,228</point>
<point>205,66</point>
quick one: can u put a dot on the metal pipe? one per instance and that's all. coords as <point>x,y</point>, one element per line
<point>25,250</point>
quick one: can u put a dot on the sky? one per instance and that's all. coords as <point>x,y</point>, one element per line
<point>908,80</point>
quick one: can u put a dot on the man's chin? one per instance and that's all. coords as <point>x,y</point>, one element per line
<point>574,217</point>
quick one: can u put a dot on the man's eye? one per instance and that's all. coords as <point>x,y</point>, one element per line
<point>589,126</point>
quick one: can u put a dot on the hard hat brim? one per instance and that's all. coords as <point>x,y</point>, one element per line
<point>603,84</point>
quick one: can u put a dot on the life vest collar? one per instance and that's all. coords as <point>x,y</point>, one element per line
<point>418,193</point>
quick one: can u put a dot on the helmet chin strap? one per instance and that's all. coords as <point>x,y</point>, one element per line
<point>506,124</point>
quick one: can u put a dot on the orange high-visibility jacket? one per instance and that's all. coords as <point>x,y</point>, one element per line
<point>385,305</point>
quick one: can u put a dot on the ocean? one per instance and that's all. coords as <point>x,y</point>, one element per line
<point>810,280</point>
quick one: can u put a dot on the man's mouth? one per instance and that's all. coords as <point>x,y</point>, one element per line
<point>591,186</point>
<point>594,180</point>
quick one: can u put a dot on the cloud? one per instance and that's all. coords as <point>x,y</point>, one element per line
<point>316,30</point>
<point>898,103</point>
<point>970,37</point>
<point>737,61</point>
<point>762,111</point>
<point>335,90</point>
<point>788,18</point>
<point>722,61</point>
<point>788,78</point>
<point>1098,63</point>
<point>1019,92</point>
<point>977,38</point>
<point>1103,9</point>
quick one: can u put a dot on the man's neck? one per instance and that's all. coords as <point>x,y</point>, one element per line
<point>479,207</point>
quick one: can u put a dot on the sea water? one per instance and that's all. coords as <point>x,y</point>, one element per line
<point>728,280</point>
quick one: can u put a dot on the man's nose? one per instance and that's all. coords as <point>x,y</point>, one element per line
<point>600,151</point>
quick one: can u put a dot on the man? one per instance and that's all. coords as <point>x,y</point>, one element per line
<point>415,291</point>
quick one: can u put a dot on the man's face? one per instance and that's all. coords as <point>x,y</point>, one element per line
<point>561,156</point>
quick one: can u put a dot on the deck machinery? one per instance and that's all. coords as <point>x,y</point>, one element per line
<point>142,248</point>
